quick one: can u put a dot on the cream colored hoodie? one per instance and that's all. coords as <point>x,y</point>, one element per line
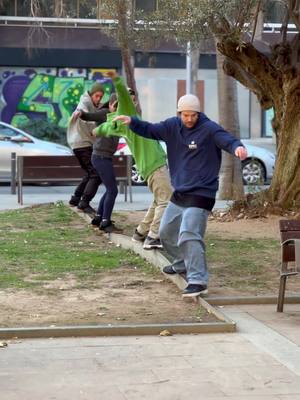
<point>79,132</point>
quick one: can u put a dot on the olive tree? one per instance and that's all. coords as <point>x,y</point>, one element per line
<point>274,77</point>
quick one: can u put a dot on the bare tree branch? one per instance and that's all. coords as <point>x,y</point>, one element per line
<point>294,11</point>
<point>59,8</point>
<point>256,64</point>
<point>258,7</point>
<point>284,26</point>
<point>232,69</point>
<point>35,8</point>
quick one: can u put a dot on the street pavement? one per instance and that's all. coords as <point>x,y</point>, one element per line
<point>32,195</point>
<point>261,361</point>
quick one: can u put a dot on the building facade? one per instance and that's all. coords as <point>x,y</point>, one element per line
<point>43,72</point>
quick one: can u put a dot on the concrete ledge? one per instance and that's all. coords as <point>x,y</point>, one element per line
<point>114,330</point>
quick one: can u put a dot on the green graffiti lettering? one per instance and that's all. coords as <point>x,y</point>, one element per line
<point>19,119</point>
<point>57,97</point>
<point>37,95</point>
<point>66,94</point>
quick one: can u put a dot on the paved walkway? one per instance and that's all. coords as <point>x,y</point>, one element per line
<point>259,362</point>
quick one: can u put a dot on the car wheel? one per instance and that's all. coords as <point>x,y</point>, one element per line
<point>136,178</point>
<point>253,172</point>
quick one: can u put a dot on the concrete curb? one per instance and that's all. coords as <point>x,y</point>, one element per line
<point>114,330</point>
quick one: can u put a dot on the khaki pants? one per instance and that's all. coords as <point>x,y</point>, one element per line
<point>160,186</point>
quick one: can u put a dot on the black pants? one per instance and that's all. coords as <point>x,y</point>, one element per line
<point>89,184</point>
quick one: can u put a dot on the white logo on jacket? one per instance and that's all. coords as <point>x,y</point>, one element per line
<point>193,145</point>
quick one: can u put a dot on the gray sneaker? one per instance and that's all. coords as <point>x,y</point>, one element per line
<point>138,237</point>
<point>151,243</point>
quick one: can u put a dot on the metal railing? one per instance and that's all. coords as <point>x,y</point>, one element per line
<point>92,22</point>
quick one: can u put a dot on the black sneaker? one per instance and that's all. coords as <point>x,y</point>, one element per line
<point>151,243</point>
<point>86,208</point>
<point>109,227</point>
<point>194,290</point>
<point>74,201</point>
<point>96,221</point>
<point>169,269</point>
<point>138,237</point>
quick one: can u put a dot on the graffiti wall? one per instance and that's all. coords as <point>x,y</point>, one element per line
<point>50,94</point>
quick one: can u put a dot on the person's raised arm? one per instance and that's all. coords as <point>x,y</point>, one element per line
<point>98,116</point>
<point>229,143</point>
<point>146,129</point>
<point>126,105</point>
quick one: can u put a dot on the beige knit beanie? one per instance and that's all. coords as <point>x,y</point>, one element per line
<point>97,87</point>
<point>188,102</point>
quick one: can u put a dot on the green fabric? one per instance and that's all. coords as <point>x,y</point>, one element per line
<point>148,154</point>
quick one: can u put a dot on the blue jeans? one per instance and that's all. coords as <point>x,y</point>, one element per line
<point>182,232</point>
<point>105,170</point>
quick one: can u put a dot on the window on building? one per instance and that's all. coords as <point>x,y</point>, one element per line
<point>267,130</point>
<point>146,5</point>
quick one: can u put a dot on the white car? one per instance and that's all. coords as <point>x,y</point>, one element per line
<point>259,165</point>
<point>256,169</point>
<point>14,140</point>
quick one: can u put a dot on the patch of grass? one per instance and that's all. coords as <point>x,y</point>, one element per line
<point>200,312</point>
<point>50,242</point>
<point>12,279</point>
<point>243,263</point>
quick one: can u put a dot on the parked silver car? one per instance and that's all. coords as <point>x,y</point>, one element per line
<point>13,140</point>
<point>258,166</point>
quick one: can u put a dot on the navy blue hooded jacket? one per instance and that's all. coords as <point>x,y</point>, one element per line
<point>194,154</point>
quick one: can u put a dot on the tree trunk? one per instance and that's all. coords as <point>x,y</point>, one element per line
<point>126,50</point>
<point>129,73</point>
<point>195,54</point>
<point>231,183</point>
<point>285,186</point>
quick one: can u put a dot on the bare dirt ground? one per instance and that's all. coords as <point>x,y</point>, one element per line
<point>121,296</point>
<point>264,228</point>
<point>241,229</point>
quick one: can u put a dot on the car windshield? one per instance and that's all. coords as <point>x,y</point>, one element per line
<point>7,133</point>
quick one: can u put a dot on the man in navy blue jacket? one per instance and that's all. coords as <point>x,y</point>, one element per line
<point>194,145</point>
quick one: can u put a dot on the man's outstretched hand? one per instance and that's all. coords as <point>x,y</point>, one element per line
<point>123,118</point>
<point>241,153</point>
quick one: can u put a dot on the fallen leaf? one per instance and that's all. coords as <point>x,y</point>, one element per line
<point>165,332</point>
<point>3,344</point>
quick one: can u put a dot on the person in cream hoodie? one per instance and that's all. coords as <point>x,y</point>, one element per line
<point>81,140</point>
